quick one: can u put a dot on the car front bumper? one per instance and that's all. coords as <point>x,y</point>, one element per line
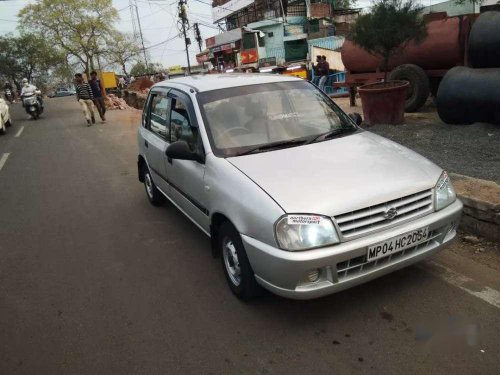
<point>344,265</point>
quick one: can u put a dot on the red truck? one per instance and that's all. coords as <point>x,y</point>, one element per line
<point>423,65</point>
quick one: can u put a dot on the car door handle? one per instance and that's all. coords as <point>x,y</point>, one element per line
<point>146,143</point>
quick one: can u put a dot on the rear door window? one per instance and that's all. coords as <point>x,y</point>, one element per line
<point>159,111</point>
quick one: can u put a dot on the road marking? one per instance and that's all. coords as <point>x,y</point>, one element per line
<point>468,285</point>
<point>19,132</point>
<point>3,160</point>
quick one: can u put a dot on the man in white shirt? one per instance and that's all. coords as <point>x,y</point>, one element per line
<point>29,89</point>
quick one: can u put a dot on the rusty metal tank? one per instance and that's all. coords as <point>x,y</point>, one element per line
<point>443,48</point>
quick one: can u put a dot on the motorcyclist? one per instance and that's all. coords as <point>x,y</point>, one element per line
<point>8,87</point>
<point>29,89</point>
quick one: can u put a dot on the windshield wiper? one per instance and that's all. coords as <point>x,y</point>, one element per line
<point>332,133</point>
<point>275,145</point>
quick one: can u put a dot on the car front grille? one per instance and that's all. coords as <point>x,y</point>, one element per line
<point>357,266</point>
<point>359,222</point>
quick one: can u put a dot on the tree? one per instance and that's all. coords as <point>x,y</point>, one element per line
<point>139,69</point>
<point>388,28</point>
<point>472,2</point>
<point>124,50</point>
<point>79,27</point>
<point>27,56</point>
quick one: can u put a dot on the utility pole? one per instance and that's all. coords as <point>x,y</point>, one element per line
<point>184,21</point>
<point>197,36</point>
<point>142,39</point>
<point>137,29</point>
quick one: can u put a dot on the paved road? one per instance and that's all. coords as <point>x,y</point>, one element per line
<point>94,280</point>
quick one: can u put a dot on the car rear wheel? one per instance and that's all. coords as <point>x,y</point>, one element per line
<point>155,197</point>
<point>237,268</point>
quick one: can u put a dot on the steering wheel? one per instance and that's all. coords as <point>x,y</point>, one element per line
<point>241,130</point>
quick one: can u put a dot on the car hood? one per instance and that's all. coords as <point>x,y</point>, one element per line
<point>340,175</point>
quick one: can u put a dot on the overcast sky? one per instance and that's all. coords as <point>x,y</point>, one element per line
<point>158,21</point>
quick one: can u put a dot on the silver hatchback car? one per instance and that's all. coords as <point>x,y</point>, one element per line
<point>295,196</point>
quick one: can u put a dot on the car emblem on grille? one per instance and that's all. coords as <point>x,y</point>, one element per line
<point>390,213</point>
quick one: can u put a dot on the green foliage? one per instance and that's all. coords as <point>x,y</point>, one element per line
<point>123,50</point>
<point>139,69</point>
<point>343,4</point>
<point>28,55</point>
<point>80,28</point>
<point>388,28</point>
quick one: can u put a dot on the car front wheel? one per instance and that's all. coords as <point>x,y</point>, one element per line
<point>155,197</point>
<point>237,268</point>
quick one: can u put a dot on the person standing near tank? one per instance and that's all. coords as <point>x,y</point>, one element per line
<point>99,93</point>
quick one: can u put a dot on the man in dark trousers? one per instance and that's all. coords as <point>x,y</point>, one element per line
<point>99,94</point>
<point>323,72</point>
<point>84,97</point>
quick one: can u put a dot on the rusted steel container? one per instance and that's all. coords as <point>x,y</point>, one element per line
<point>443,48</point>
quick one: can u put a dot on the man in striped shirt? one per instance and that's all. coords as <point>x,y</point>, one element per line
<point>84,96</point>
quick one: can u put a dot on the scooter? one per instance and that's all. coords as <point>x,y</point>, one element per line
<point>9,96</point>
<point>32,105</point>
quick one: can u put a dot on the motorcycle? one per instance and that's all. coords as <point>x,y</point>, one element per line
<point>9,96</point>
<point>32,104</point>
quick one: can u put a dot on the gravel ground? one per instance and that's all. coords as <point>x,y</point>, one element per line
<point>471,150</point>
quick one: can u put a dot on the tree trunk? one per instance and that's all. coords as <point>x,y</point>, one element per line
<point>385,66</point>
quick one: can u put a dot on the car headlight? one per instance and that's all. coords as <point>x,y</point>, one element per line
<point>301,232</point>
<point>445,194</point>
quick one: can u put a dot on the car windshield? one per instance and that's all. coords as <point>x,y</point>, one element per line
<point>264,117</point>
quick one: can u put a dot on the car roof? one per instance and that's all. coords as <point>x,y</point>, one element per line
<point>210,82</point>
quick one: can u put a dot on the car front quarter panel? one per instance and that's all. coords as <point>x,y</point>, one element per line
<point>231,193</point>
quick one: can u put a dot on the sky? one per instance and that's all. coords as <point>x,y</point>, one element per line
<point>158,20</point>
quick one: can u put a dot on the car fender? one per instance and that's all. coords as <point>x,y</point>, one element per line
<point>231,193</point>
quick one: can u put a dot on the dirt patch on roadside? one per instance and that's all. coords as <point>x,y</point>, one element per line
<point>478,249</point>
<point>486,191</point>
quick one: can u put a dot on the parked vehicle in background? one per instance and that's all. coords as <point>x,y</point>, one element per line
<point>5,120</point>
<point>61,92</point>
<point>294,195</point>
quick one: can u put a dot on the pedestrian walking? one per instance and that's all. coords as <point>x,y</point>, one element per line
<point>99,93</point>
<point>84,96</point>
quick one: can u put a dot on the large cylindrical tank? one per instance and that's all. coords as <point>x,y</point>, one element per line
<point>469,95</point>
<point>443,48</point>
<point>484,41</point>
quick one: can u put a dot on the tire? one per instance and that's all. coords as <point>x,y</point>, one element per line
<point>419,85</point>
<point>2,129</point>
<point>155,197</point>
<point>237,268</point>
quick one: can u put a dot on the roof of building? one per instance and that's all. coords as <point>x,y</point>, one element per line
<point>210,82</point>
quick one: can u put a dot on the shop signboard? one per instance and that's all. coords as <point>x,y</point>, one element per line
<point>249,56</point>
<point>224,47</point>
<point>209,42</point>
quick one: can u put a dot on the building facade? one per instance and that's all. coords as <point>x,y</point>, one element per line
<point>264,33</point>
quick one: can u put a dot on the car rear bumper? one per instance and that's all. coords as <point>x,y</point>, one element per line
<point>344,265</point>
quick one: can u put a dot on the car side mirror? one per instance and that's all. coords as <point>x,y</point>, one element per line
<point>180,150</point>
<point>356,117</point>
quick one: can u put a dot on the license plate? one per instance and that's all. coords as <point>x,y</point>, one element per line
<point>397,244</point>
